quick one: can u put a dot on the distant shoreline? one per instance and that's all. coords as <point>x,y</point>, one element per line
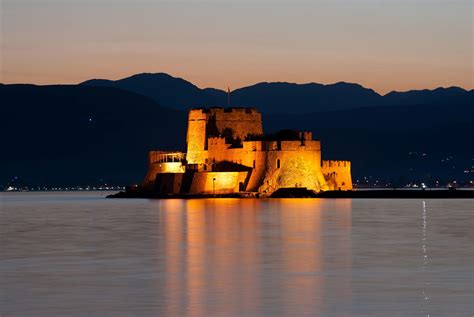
<point>303,193</point>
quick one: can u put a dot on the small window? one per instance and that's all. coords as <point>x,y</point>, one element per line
<point>205,167</point>
<point>278,163</point>
<point>254,164</point>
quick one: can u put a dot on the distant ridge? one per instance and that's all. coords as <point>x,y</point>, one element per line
<point>274,97</point>
<point>81,134</point>
<point>424,96</point>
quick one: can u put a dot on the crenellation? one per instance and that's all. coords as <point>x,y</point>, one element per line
<point>337,174</point>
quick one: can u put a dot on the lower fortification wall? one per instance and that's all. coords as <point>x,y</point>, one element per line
<point>160,168</point>
<point>168,183</point>
<point>292,169</point>
<point>209,183</point>
<point>337,174</point>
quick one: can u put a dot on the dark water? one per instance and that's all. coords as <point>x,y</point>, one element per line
<point>78,254</point>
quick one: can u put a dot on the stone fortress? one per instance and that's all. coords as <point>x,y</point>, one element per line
<point>228,153</point>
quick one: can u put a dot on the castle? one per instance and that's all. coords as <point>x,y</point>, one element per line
<point>227,153</point>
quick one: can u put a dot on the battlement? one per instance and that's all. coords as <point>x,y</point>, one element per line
<point>332,164</point>
<point>214,110</point>
<point>198,114</point>
<point>306,135</point>
<point>300,145</point>
<point>216,141</point>
<point>224,113</point>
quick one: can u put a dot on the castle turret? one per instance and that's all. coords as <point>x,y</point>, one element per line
<point>196,136</point>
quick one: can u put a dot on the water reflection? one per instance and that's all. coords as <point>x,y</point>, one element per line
<point>226,256</point>
<point>77,254</point>
<point>424,242</point>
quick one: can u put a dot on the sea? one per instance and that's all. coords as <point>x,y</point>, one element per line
<point>80,254</point>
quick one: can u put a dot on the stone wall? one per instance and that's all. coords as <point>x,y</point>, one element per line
<point>163,162</point>
<point>337,174</point>
<point>168,183</point>
<point>209,183</point>
<point>295,165</point>
<point>242,121</point>
<point>204,123</point>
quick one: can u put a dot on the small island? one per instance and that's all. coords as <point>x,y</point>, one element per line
<point>228,155</point>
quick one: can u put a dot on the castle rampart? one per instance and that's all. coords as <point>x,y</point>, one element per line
<point>160,162</point>
<point>337,174</point>
<point>227,148</point>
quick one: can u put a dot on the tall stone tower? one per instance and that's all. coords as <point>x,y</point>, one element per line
<point>215,122</point>
<point>196,136</point>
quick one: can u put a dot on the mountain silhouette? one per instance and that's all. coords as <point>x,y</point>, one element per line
<point>166,90</point>
<point>426,96</point>
<point>80,134</point>
<point>277,97</point>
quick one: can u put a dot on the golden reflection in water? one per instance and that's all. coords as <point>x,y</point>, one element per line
<point>221,254</point>
<point>301,255</point>
<point>172,223</point>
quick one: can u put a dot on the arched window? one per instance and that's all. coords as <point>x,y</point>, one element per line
<point>278,163</point>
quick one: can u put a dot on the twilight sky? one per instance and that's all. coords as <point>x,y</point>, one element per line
<point>382,44</point>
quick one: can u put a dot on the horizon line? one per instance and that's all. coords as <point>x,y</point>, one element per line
<point>241,87</point>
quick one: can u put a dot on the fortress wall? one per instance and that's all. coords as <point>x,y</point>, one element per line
<point>270,145</point>
<point>337,174</point>
<point>299,160</point>
<point>297,169</point>
<point>201,122</point>
<point>258,172</point>
<point>168,183</point>
<point>224,183</point>
<point>242,121</point>
<point>248,156</point>
<point>219,151</point>
<point>252,145</point>
<point>159,168</point>
<point>297,146</point>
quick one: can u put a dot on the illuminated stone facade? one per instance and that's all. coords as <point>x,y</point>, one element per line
<point>227,152</point>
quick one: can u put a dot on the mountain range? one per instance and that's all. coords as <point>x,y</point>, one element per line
<point>276,97</point>
<point>102,130</point>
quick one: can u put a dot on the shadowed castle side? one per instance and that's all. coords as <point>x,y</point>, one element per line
<point>227,153</point>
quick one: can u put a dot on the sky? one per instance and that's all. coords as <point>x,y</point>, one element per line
<point>381,44</point>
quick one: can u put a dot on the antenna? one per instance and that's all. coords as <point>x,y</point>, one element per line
<point>228,96</point>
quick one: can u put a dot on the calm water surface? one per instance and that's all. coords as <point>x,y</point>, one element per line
<point>78,254</point>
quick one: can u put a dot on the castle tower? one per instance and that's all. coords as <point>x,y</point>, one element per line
<point>241,121</point>
<point>196,136</point>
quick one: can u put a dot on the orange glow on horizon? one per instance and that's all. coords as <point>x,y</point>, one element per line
<point>389,45</point>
